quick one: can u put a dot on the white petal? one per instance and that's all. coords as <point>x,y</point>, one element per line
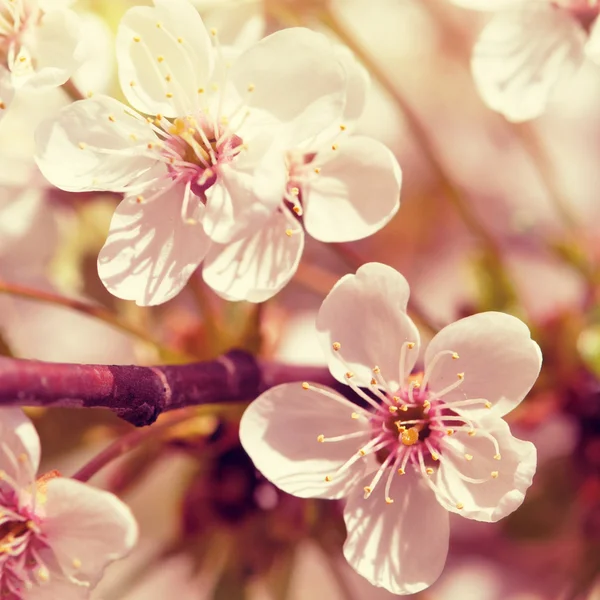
<point>56,51</point>
<point>296,77</point>
<point>521,57</point>
<point>592,46</point>
<point>94,144</point>
<point>257,267</point>
<point>279,432</point>
<point>19,446</point>
<point>498,496</point>
<point>245,194</point>
<point>357,85</point>
<point>86,528</point>
<point>401,547</point>
<point>151,251</point>
<point>356,192</point>
<point>493,5</point>
<point>366,314</point>
<point>7,91</point>
<point>172,41</point>
<point>499,360</point>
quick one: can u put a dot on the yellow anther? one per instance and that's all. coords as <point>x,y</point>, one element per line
<point>497,457</point>
<point>2,105</point>
<point>393,409</point>
<point>133,137</point>
<point>342,127</point>
<point>403,408</point>
<point>410,437</point>
<point>180,40</point>
<point>139,199</point>
<point>111,118</point>
<point>449,431</point>
<point>410,345</point>
<point>169,95</point>
<point>494,474</point>
<point>334,146</point>
<point>213,32</point>
<point>295,191</point>
<point>376,370</point>
<point>373,381</point>
<point>435,456</point>
<point>368,491</point>
<point>168,77</point>
<point>429,471</point>
<point>297,209</point>
<point>160,58</point>
<point>488,404</point>
<point>327,478</point>
<point>389,500</point>
<point>469,456</point>
<point>455,356</point>
<point>460,506</point>
<point>137,38</point>
<point>401,471</point>
<point>289,232</point>
<point>426,404</point>
<point>158,25</point>
<point>43,574</point>
<point>349,375</point>
<point>321,438</point>
<point>251,87</point>
<point>22,59</point>
<point>23,458</point>
<point>306,385</point>
<point>317,170</point>
<point>354,415</point>
<point>396,399</point>
<point>336,346</point>
<point>472,432</point>
<point>461,376</point>
<point>201,90</point>
<point>159,117</point>
<point>362,452</point>
<point>132,83</point>
<point>150,145</point>
<point>76,563</point>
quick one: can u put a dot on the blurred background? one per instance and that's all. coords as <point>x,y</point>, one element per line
<point>494,216</point>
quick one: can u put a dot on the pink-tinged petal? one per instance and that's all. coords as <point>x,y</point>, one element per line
<point>58,588</point>
<point>279,431</point>
<point>402,546</point>
<point>366,314</point>
<point>493,5</point>
<point>7,91</point>
<point>56,53</point>
<point>505,480</point>
<point>245,195</point>
<point>151,251</point>
<point>154,43</point>
<point>296,77</point>
<point>257,267</point>
<point>499,360</point>
<point>356,192</point>
<point>19,446</point>
<point>86,528</point>
<point>522,55</point>
<point>95,144</point>
<point>358,83</point>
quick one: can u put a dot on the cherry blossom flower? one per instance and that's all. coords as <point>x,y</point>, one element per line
<point>340,188</point>
<point>529,48</point>
<point>39,45</point>
<point>416,446</point>
<point>56,534</point>
<point>207,166</point>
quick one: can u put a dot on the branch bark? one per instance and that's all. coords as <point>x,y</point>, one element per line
<point>140,394</point>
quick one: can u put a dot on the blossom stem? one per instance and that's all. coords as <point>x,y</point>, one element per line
<point>140,394</point>
<point>98,312</point>
<point>129,442</point>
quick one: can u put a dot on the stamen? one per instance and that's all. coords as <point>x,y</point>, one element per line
<point>342,438</point>
<point>337,397</point>
<point>434,362</point>
<point>384,465</point>
<point>403,357</point>
<point>450,388</point>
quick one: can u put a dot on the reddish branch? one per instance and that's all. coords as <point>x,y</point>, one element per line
<point>140,394</point>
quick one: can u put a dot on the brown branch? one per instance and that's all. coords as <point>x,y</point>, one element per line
<point>139,394</point>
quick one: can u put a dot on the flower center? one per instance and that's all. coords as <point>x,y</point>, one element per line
<point>408,423</point>
<point>14,19</point>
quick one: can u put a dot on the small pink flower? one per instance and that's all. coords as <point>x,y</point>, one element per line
<point>529,48</point>
<point>419,445</point>
<point>56,534</point>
